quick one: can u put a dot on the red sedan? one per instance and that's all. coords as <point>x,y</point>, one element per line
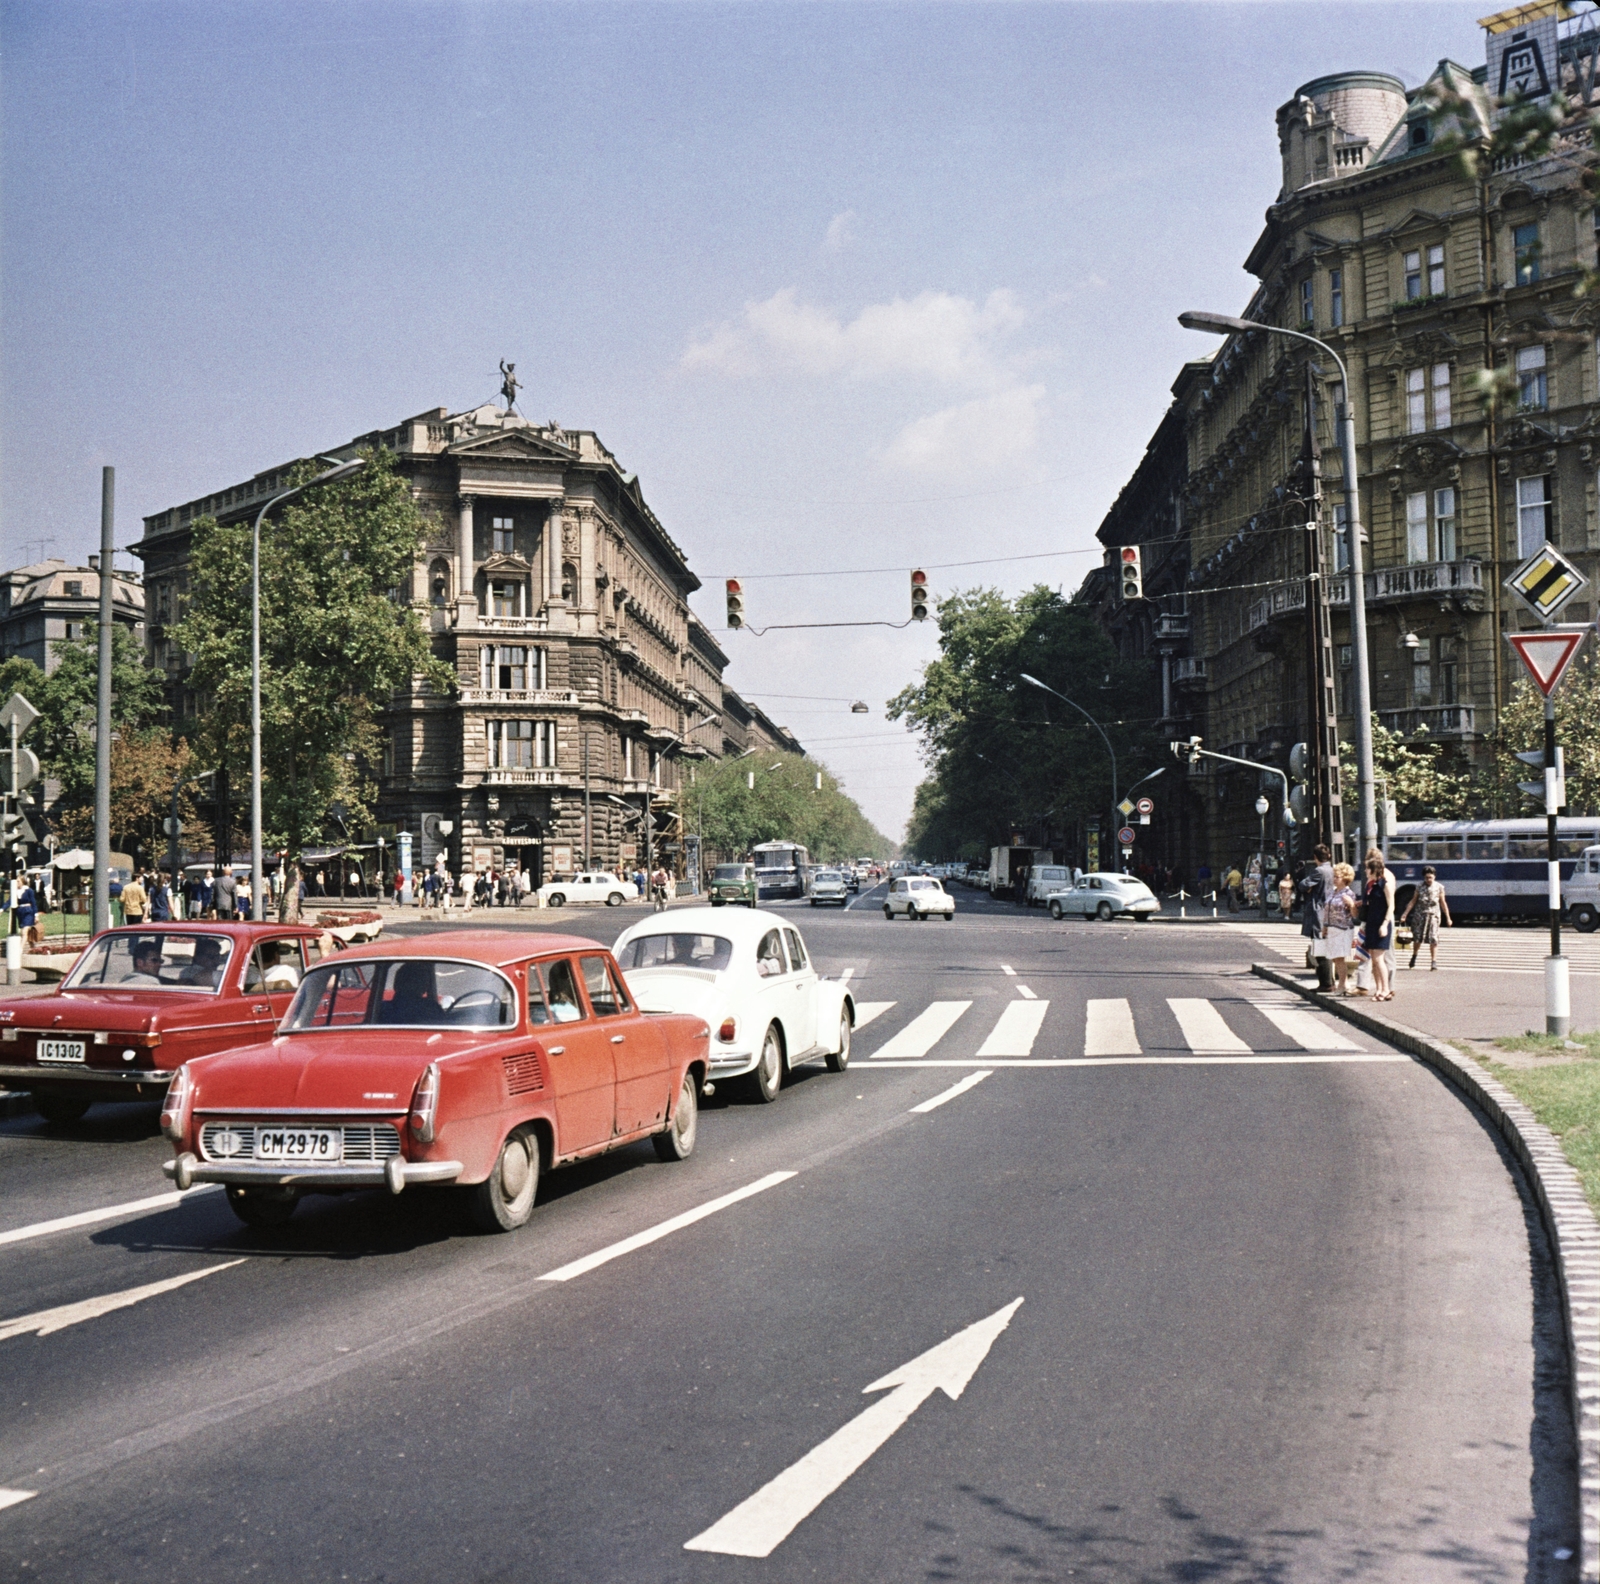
<point>481,1058</point>
<point>142,1001</point>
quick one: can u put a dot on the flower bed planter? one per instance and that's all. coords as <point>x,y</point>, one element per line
<point>350,925</point>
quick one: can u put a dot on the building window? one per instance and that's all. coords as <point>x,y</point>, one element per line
<point>73,631</point>
<point>72,589</point>
<point>1344,680</point>
<point>504,533</point>
<point>1422,673</point>
<point>505,667</point>
<point>1416,400</point>
<point>539,669</point>
<point>511,743</point>
<point>387,758</point>
<point>1444,681</point>
<point>1341,538</point>
<point>1336,298</point>
<point>1436,271</point>
<point>1441,395</point>
<point>1417,527</point>
<point>504,600</point>
<point>1413,262</point>
<point>1533,390</point>
<point>1533,513</point>
<point>1307,307</point>
<point>1525,240</point>
<point>1444,523</point>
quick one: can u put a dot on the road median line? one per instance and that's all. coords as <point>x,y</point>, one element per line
<point>1569,1222</point>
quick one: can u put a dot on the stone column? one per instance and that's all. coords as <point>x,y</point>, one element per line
<point>466,597</point>
<point>588,616</point>
<point>552,552</point>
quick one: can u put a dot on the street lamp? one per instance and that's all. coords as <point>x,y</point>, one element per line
<point>1262,805</point>
<point>339,470</point>
<point>1223,324</point>
<point>1035,682</point>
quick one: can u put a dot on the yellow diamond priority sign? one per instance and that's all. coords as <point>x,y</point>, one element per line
<point>1545,582</point>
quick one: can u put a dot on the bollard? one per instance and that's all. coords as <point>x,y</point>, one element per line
<point>13,959</point>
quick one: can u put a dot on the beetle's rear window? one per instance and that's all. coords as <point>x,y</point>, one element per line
<point>409,993</point>
<point>677,951</point>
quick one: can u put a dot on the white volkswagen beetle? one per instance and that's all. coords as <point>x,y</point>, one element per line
<point>748,974</point>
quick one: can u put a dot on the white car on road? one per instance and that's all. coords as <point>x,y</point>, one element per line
<point>829,885</point>
<point>749,975</point>
<point>594,887</point>
<point>919,897</point>
<point>1103,896</point>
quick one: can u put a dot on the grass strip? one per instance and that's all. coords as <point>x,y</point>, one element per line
<point>1564,1096</point>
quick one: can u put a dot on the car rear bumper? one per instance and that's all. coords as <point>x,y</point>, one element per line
<point>730,1064</point>
<point>20,1077</point>
<point>394,1174</point>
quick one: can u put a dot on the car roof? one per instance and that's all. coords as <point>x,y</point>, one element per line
<point>493,947</point>
<point>732,923</point>
<point>247,930</point>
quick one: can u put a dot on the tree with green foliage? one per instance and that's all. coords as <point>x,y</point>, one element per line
<point>1006,757</point>
<point>1521,730</point>
<point>785,804</point>
<point>338,638</point>
<point>1415,774</point>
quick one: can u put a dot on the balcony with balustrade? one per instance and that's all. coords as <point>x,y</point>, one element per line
<point>532,698</point>
<point>1188,673</point>
<point>1457,582</point>
<point>1457,722</point>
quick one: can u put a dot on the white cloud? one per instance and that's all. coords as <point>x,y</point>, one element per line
<point>841,232</point>
<point>985,432</point>
<point>935,335</point>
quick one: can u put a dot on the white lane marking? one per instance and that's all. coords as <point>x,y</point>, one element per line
<point>1007,969</point>
<point>925,1030</point>
<point>760,1523</point>
<point>971,1081</point>
<point>1305,1028</point>
<point>1108,1030</point>
<point>162,1201</point>
<point>1203,1029</point>
<point>866,1011</point>
<point>1026,993</point>
<point>663,1229</point>
<point>10,1498</point>
<point>847,976</point>
<point>1147,1061</point>
<point>47,1321</point>
<point>1017,1029</point>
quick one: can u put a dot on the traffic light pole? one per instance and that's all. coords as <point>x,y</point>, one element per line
<point>1557,986</point>
<point>100,917</point>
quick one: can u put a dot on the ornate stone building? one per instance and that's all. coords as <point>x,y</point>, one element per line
<point>1432,284</point>
<point>51,602</point>
<point>585,681</point>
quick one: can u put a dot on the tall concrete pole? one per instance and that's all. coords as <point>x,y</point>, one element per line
<point>101,917</point>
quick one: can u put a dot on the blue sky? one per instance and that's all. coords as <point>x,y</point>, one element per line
<point>849,286</point>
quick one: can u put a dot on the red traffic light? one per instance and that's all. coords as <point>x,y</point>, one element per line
<point>1130,554</point>
<point>733,586</point>
<point>919,577</point>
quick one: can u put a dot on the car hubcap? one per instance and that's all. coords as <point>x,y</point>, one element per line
<point>514,1169</point>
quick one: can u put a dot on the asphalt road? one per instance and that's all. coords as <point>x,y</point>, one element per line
<point>1286,1314</point>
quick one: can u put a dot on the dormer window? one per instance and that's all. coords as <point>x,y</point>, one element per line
<point>1419,134</point>
<point>73,588</point>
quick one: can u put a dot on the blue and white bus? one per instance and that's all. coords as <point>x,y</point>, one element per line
<point>782,869</point>
<point>1489,868</point>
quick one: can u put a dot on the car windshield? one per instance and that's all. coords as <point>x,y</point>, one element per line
<point>412,992</point>
<point>829,874</point>
<point>730,872</point>
<point>710,952</point>
<point>925,885</point>
<point>151,960</point>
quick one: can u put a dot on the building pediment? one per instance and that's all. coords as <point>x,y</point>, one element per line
<point>1426,346</point>
<point>1426,456</point>
<point>1416,220</point>
<point>501,563</point>
<point>512,445</point>
<point>1523,433</point>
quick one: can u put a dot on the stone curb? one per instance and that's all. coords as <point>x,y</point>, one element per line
<point>1570,1223</point>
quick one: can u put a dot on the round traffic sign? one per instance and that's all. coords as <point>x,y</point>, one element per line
<point>1146,806</point>
<point>1125,836</point>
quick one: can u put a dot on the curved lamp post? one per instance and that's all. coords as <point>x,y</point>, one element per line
<point>1035,682</point>
<point>1224,324</point>
<point>257,898</point>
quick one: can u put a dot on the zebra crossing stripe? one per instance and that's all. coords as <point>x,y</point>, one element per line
<point>1108,1030</point>
<point>866,1011</point>
<point>1203,1029</point>
<point>925,1030</point>
<point>1016,1031</point>
<point>1305,1028</point>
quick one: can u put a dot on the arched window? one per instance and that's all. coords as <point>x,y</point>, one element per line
<point>439,583</point>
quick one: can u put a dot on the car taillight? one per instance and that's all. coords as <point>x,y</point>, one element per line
<point>729,1031</point>
<point>425,1104</point>
<point>175,1108</point>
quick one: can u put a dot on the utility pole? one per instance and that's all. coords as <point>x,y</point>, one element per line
<point>100,917</point>
<point>1328,808</point>
<point>588,820</point>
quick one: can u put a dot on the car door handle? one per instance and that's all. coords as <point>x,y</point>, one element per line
<point>617,1039</point>
<point>261,1006</point>
<point>558,1050</point>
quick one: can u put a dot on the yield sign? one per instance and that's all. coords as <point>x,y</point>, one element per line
<point>1547,654</point>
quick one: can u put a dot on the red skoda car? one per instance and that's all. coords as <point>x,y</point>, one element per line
<point>143,1000</point>
<point>475,1057</point>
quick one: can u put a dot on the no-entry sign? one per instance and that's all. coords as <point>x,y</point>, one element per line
<point>1547,654</point>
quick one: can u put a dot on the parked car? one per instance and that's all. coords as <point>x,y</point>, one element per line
<point>1044,880</point>
<point>144,999</point>
<point>735,883</point>
<point>476,1057</point>
<point>918,897</point>
<point>751,979</point>
<point>828,885</point>
<point>1104,896</point>
<point>594,887</point>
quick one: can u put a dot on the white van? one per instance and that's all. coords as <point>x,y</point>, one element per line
<point>1582,891</point>
<point>1045,879</point>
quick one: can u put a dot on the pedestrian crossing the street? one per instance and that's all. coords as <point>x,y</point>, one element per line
<point>1258,1027</point>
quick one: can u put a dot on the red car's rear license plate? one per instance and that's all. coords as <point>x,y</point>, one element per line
<point>296,1144</point>
<point>59,1050</point>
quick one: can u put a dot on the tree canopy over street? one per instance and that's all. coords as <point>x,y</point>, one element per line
<point>1005,757</point>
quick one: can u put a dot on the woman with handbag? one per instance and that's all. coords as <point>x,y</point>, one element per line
<point>1377,926</point>
<point>1340,925</point>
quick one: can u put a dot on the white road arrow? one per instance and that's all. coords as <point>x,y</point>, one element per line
<point>758,1525</point>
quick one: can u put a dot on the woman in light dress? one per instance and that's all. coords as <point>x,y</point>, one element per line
<point>1340,927</point>
<point>1429,902</point>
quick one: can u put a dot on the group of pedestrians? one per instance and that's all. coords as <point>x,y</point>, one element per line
<point>438,890</point>
<point>1353,924</point>
<point>147,898</point>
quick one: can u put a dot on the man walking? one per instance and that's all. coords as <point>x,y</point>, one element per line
<point>134,902</point>
<point>225,896</point>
